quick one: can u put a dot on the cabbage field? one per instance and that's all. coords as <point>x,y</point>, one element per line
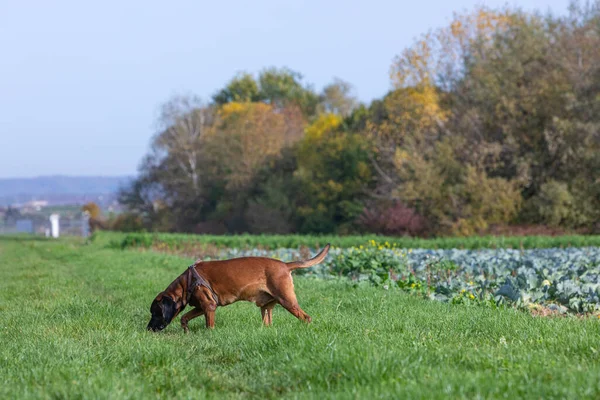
<point>565,279</point>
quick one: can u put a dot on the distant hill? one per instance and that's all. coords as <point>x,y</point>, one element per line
<point>60,189</point>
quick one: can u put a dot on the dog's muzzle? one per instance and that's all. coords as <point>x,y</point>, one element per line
<point>156,326</point>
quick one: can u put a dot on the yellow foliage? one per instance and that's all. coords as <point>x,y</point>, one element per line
<point>468,227</point>
<point>400,157</point>
<point>425,105</point>
<point>236,108</point>
<point>93,209</point>
<point>230,108</point>
<point>412,113</point>
<point>314,133</point>
<point>323,124</point>
<point>457,28</point>
<point>414,66</point>
<point>334,187</point>
<point>364,171</point>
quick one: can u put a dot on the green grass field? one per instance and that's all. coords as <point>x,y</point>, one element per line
<point>73,318</point>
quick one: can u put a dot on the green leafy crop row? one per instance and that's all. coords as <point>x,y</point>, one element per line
<point>175,241</point>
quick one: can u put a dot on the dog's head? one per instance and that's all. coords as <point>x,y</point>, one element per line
<point>163,310</point>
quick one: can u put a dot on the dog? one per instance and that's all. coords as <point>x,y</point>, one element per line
<point>206,285</point>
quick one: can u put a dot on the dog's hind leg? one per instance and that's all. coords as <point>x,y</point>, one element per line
<point>196,312</point>
<point>294,308</point>
<point>267,313</point>
<point>284,294</point>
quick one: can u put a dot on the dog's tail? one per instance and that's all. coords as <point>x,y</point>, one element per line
<point>310,262</point>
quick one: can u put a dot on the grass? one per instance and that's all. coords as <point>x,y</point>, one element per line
<point>175,240</point>
<point>73,317</point>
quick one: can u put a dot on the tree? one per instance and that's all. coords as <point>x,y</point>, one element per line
<point>170,185</point>
<point>93,209</point>
<point>424,157</point>
<point>337,98</point>
<point>183,124</point>
<point>244,136</point>
<point>241,88</point>
<point>333,168</point>
<point>283,87</point>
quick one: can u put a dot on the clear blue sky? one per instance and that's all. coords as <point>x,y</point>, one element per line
<point>81,81</point>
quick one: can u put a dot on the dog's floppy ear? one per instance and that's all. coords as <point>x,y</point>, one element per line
<point>156,306</point>
<point>169,308</point>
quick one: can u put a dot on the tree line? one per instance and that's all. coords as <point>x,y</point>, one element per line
<point>493,121</point>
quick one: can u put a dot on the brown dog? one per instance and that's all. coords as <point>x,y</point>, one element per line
<point>209,284</point>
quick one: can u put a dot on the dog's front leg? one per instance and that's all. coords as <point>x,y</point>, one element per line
<point>196,312</point>
<point>209,306</point>
<point>209,315</point>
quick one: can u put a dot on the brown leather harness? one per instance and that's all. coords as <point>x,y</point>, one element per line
<point>196,281</point>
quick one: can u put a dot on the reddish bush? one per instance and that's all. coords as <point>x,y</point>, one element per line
<point>396,220</point>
